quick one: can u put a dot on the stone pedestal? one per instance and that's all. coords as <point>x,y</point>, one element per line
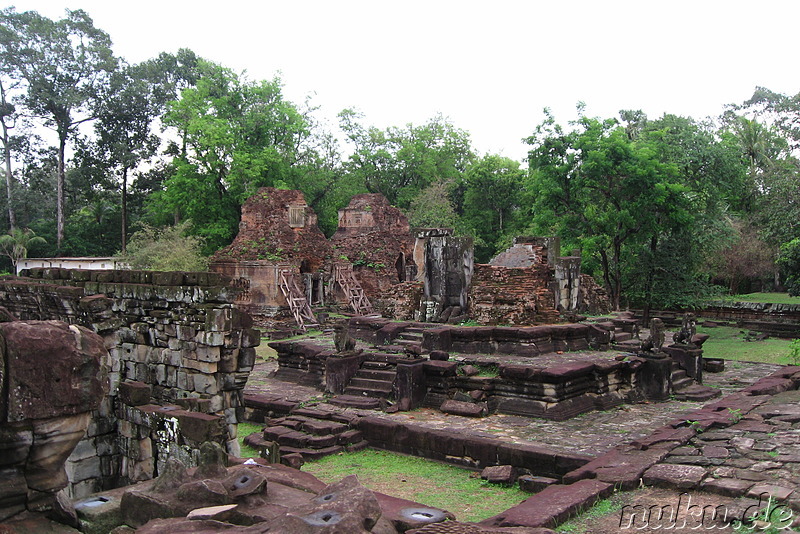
<point>654,376</point>
<point>410,386</point>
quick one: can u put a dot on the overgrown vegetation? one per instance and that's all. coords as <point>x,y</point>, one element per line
<point>165,249</point>
<point>424,481</point>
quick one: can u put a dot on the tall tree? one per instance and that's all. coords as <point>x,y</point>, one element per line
<point>492,187</point>
<point>124,135</point>
<point>598,188</point>
<point>238,136</point>
<point>64,63</point>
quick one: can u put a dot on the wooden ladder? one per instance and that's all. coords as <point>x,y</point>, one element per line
<point>344,276</point>
<point>298,304</point>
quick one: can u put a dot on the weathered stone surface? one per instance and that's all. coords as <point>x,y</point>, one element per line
<point>52,376</point>
<point>675,476</point>
<point>730,487</point>
<point>51,369</point>
<point>552,505</point>
<point>500,474</point>
<point>535,484</point>
<point>466,409</point>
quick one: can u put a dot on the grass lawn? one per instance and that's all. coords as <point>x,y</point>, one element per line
<point>774,298</point>
<point>244,430</point>
<point>425,481</point>
<point>728,343</point>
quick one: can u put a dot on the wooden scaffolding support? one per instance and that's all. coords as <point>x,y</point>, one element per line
<point>295,297</point>
<point>344,276</point>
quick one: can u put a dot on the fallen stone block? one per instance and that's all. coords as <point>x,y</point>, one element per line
<point>465,409</point>
<point>552,505</point>
<point>500,474</point>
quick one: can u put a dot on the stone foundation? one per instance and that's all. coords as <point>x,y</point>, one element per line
<point>173,339</point>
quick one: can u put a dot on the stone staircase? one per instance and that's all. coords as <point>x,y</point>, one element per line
<point>373,379</point>
<point>308,437</point>
<point>411,336</point>
<point>685,388</point>
<point>370,387</point>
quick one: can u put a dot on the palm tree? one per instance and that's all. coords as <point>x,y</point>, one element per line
<point>17,241</point>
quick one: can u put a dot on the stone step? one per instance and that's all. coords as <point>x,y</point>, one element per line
<point>376,365</point>
<point>678,374</point>
<point>407,342</point>
<point>682,383</point>
<point>368,383</point>
<point>355,401</point>
<point>621,336</point>
<point>697,392</point>
<point>414,330</point>
<point>412,336</point>
<point>367,392</point>
<point>377,374</point>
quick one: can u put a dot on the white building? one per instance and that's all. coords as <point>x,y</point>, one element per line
<point>72,263</point>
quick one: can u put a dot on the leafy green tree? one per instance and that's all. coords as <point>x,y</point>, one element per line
<point>64,63</point>
<point>492,187</point>
<point>401,162</point>
<point>237,136</point>
<point>433,208</point>
<point>597,187</point>
<point>16,243</point>
<point>165,249</point>
<point>124,136</point>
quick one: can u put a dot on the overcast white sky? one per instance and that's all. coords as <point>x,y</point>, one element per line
<point>489,66</point>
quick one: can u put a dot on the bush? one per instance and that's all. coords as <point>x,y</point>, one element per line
<point>165,249</point>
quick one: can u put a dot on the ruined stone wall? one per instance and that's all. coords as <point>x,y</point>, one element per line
<point>515,296</point>
<point>177,334</point>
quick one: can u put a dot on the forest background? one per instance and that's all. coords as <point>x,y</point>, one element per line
<point>666,211</point>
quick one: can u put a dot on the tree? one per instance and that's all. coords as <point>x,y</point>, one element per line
<point>16,243</point>
<point>401,162</point>
<point>165,249</point>
<point>237,136</point>
<point>600,189</point>
<point>433,208</point>
<point>64,63</point>
<point>789,260</point>
<point>124,136</point>
<point>492,187</point>
<point>8,117</point>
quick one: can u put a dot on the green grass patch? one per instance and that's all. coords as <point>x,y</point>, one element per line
<point>420,480</point>
<point>265,352</point>
<point>729,343</point>
<point>601,509</point>
<point>244,430</point>
<point>772,298</point>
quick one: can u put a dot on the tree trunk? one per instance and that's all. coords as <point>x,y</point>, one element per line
<point>60,181</point>
<point>124,209</point>
<point>12,218</point>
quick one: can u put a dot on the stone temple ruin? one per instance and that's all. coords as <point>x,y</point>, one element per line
<point>122,390</point>
<point>284,265</point>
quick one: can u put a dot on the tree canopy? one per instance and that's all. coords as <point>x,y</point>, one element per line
<point>661,208</point>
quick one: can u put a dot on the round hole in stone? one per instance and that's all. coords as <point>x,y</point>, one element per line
<point>326,517</point>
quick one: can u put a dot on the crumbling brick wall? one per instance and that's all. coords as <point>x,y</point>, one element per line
<point>503,295</point>
<point>376,238</point>
<point>278,226</point>
<point>176,333</point>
